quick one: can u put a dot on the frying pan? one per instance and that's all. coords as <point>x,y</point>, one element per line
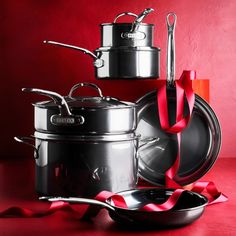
<point>200,140</point>
<point>188,208</point>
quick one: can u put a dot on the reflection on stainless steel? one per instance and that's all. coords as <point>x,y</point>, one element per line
<point>83,166</point>
<point>70,165</point>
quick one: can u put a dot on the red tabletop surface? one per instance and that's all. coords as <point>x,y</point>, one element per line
<point>17,189</point>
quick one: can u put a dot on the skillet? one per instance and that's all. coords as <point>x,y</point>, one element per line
<point>188,208</point>
<point>200,140</point>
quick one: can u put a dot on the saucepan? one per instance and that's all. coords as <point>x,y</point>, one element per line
<point>126,51</point>
<point>189,207</point>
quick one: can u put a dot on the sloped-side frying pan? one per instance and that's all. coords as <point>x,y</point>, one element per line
<point>200,141</point>
<point>188,208</point>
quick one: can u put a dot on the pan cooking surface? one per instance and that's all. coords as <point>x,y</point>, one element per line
<point>136,199</point>
<point>200,142</point>
<point>188,208</point>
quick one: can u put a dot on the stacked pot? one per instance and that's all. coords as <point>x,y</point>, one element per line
<point>126,51</point>
<point>83,145</point>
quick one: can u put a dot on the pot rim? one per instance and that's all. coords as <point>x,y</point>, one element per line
<point>126,24</point>
<point>49,104</point>
<point>128,48</point>
<point>86,138</point>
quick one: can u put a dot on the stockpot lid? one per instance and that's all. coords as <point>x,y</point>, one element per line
<point>87,102</point>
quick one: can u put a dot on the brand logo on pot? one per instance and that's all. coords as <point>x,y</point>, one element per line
<point>67,120</point>
<point>63,120</point>
<point>134,36</point>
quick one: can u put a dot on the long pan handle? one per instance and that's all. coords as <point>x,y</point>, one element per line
<point>171,22</point>
<point>79,201</point>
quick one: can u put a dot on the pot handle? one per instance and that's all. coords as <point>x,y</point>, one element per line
<point>57,98</point>
<point>147,141</point>
<point>65,118</point>
<point>91,85</point>
<point>124,14</point>
<point>134,33</point>
<point>27,141</point>
<point>139,19</point>
<point>97,61</point>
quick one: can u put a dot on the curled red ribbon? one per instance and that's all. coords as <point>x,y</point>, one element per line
<point>183,88</point>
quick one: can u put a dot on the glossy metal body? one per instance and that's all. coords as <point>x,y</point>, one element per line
<point>112,35</point>
<point>83,165</point>
<point>96,121</point>
<point>189,207</point>
<point>129,63</point>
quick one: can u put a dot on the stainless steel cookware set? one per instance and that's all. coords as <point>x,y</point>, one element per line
<point>86,144</point>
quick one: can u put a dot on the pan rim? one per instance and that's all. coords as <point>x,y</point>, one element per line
<point>214,147</point>
<point>202,206</point>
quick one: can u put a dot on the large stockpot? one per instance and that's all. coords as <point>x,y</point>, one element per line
<point>84,165</point>
<point>126,51</point>
<point>83,114</point>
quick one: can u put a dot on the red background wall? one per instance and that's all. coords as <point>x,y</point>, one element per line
<point>205,41</point>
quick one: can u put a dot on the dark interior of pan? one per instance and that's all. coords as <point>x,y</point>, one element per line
<point>188,208</point>
<point>200,141</point>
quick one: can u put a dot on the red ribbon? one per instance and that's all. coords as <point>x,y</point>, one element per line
<point>184,89</point>
<point>91,211</point>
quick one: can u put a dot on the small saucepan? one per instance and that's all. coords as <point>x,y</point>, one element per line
<point>189,207</point>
